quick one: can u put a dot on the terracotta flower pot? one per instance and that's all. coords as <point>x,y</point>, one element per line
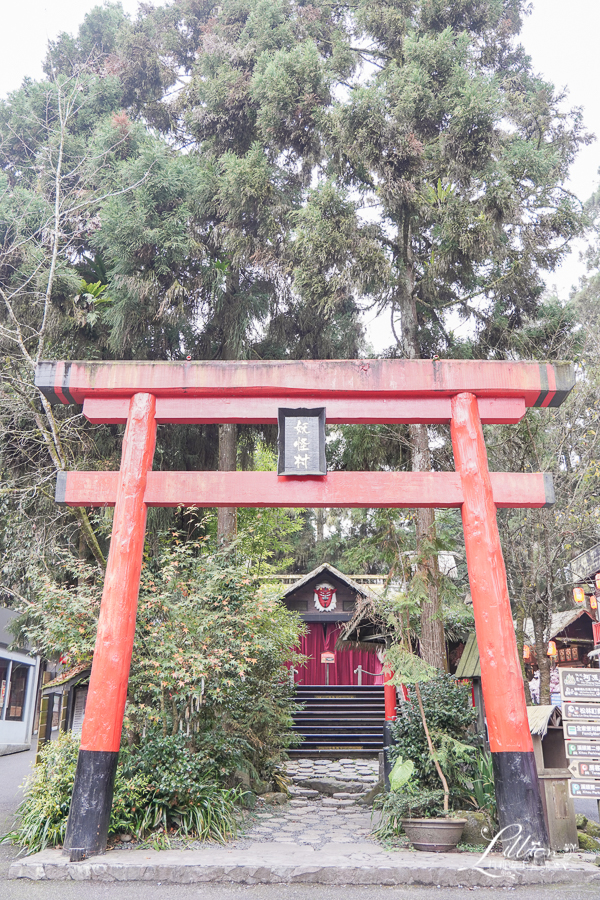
<point>435,835</point>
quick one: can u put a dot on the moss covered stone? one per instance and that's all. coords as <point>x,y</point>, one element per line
<point>586,842</point>
<point>592,828</point>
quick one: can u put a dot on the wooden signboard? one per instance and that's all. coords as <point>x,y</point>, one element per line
<point>582,768</point>
<point>589,730</point>
<point>586,564</point>
<point>581,712</point>
<point>581,724</point>
<point>580,684</point>
<point>583,750</point>
<point>584,789</point>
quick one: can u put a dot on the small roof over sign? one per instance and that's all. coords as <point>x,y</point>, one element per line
<point>541,717</point>
<point>469,665</point>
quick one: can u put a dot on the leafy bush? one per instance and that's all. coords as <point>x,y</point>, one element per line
<point>209,656</point>
<point>164,786</point>
<point>482,786</point>
<point>450,717</point>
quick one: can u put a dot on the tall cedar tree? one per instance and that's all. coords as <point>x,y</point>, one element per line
<point>401,153</point>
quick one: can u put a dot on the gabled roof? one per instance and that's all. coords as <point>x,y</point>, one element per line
<point>326,568</point>
<point>83,670</point>
<point>558,623</point>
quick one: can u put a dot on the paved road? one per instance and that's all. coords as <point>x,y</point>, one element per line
<point>14,768</point>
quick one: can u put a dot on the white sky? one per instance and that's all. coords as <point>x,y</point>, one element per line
<point>560,36</point>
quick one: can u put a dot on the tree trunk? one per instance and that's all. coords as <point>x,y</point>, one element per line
<point>227,515</point>
<point>520,618</point>
<point>541,648</point>
<point>320,521</point>
<point>433,644</point>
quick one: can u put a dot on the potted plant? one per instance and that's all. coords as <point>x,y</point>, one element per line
<point>424,813</point>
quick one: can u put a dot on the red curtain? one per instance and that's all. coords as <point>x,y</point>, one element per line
<point>323,637</point>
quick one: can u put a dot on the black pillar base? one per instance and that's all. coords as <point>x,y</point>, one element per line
<point>518,797</point>
<point>89,816</point>
<point>388,742</point>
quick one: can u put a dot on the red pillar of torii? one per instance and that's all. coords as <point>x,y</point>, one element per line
<point>464,394</point>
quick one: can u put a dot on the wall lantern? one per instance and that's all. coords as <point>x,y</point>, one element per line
<point>579,595</point>
<point>552,651</point>
<point>301,441</point>
<point>526,651</point>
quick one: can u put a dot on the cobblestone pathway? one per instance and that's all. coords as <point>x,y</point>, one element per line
<point>310,824</point>
<point>331,814</point>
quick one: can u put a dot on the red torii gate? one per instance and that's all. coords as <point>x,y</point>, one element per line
<point>464,394</point>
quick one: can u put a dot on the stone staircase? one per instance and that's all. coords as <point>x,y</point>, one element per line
<point>335,782</point>
<point>339,720</point>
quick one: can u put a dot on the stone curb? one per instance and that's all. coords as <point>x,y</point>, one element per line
<point>281,865</point>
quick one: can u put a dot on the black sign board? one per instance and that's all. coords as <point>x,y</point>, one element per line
<point>586,564</point>
<point>580,789</point>
<point>583,749</point>
<point>301,442</point>
<point>580,684</point>
<point>582,730</point>
<point>580,711</point>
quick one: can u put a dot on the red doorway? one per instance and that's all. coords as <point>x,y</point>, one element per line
<point>322,637</point>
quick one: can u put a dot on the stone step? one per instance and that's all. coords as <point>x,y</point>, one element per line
<point>298,792</point>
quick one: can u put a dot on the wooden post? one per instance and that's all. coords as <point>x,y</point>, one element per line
<point>389,695</point>
<point>87,827</point>
<point>517,787</point>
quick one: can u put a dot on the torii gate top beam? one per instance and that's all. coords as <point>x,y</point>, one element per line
<point>538,384</point>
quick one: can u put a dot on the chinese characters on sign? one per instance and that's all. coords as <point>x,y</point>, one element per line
<point>580,692</point>
<point>302,442</point>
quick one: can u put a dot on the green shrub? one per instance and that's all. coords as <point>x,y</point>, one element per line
<point>451,719</point>
<point>211,644</point>
<point>160,786</point>
<point>180,791</point>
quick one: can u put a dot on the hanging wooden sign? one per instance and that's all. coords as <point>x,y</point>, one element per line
<point>582,730</point>
<point>301,442</point>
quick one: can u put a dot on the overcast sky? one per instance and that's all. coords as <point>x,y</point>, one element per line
<point>561,36</point>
